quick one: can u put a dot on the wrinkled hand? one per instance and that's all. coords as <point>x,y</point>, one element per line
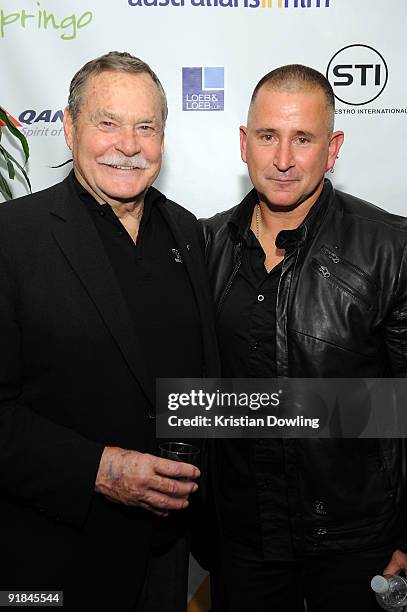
<point>138,479</point>
<point>397,563</point>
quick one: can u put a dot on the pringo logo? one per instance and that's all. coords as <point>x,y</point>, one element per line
<point>358,74</point>
<point>67,27</point>
<point>203,89</point>
<point>251,4</point>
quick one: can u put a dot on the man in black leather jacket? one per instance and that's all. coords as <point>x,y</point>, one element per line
<point>308,282</point>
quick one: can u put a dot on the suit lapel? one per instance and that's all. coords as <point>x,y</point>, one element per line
<point>79,240</point>
<point>191,252</point>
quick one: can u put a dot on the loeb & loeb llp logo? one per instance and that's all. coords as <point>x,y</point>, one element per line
<point>203,89</point>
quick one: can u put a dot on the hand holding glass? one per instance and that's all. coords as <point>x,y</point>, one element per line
<point>180,451</point>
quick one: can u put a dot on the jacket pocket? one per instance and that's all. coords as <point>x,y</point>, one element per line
<point>352,483</point>
<point>346,277</point>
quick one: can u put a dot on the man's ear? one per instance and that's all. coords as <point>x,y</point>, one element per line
<point>162,143</point>
<point>335,143</point>
<point>68,128</point>
<point>243,142</point>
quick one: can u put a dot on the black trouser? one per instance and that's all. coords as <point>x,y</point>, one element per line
<point>326,583</point>
<point>166,585</point>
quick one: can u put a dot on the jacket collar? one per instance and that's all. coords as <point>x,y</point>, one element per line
<point>240,219</point>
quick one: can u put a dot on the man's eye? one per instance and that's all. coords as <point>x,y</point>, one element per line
<point>106,124</point>
<point>146,130</point>
<point>303,140</point>
<point>267,137</point>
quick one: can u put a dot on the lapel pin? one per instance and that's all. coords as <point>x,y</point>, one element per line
<point>177,255</point>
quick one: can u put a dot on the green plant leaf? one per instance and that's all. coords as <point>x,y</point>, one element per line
<point>4,188</point>
<point>10,167</point>
<point>16,132</point>
<point>10,159</point>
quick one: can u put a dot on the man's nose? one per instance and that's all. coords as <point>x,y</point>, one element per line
<point>128,142</point>
<point>283,159</point>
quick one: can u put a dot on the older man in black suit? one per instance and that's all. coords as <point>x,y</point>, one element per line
<point>102,290</point>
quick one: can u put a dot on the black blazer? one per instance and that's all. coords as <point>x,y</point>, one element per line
<point>69,365</point>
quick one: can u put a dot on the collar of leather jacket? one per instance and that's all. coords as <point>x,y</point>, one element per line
<point>287,239</point>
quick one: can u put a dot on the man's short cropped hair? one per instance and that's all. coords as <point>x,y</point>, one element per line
<point>115,61</point>
<point>295,78</point>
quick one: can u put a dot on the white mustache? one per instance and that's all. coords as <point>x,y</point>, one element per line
<point>135,161</point>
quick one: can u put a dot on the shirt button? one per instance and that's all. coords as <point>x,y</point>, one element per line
<point>254,346</point>
<point>320,507</point>
<point>101,213</point>
<point>260,297</point>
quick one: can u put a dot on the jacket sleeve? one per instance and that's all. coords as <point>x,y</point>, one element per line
<point>42,464</point>
<point>396,323</point>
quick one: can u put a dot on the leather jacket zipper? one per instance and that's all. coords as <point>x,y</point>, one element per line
<point>327,274</point>
<point>333,531</point>
<point>336,259</point>
<point>238,261</point>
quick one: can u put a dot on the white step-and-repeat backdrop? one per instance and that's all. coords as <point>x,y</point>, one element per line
<point>209,54</point>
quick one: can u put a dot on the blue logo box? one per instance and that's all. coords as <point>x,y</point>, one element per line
<point>203,89</point>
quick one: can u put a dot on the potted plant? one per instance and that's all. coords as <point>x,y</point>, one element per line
<point>11,162</point>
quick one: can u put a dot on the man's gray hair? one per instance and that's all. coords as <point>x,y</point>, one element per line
<point>115,61</point>
<point>294,78</point>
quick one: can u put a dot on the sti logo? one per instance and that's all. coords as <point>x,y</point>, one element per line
<point>203,89</point>
<point>358,74</point>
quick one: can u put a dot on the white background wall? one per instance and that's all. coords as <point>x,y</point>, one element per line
<point>202,168</point>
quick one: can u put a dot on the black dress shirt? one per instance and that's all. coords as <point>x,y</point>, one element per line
<point>253,483</point>
<point>247,345</point>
